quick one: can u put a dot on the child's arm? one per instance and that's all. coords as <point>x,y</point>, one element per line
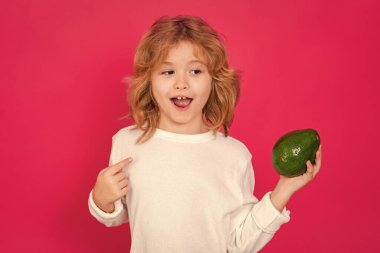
<point>105,199</point>
<point>256,222</point>
<point>116,218</point>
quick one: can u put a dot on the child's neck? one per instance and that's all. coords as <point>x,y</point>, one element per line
<point>184,129</point>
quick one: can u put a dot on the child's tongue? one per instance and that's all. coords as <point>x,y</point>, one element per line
<point>182,102</point>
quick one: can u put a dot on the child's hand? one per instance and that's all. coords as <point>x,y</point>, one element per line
<point>286,186</point>
<point>296,183</point>
<point>111,185</point>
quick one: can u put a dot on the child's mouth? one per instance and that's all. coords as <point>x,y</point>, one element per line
<point>181,103</point>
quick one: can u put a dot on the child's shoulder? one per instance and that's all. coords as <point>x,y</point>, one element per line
<point>233,144</point>
<point>128,133</point>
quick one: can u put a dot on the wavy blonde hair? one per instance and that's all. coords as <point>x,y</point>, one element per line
<point>153,49</point>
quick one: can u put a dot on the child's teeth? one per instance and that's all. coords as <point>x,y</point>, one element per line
<point>180,98</point>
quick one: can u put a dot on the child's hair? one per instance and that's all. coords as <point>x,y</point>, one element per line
<point>153,49</point>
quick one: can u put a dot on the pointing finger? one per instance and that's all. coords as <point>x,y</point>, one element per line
<point>119,166</point>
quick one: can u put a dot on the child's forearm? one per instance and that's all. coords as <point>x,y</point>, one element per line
<point>281,195</point>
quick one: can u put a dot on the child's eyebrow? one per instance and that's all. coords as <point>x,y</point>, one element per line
<point>167,63</point>
<point>190,62</point>
<point>197,61</point>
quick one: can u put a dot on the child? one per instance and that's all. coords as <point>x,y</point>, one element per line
<point>189,187</point>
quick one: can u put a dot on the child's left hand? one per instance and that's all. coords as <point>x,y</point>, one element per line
<point>286,186</point>
<point>296,183</point>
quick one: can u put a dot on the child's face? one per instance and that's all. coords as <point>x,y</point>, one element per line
<point>181,75</point>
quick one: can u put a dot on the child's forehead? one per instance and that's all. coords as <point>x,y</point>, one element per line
<point>184,50</point>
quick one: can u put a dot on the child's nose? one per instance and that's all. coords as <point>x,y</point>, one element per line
<point>181,82</point>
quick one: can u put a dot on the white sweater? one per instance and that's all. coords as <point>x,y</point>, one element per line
<point>190,193</point>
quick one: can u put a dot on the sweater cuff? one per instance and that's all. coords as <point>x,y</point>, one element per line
<point>267,217</point>
<point>99,212</point>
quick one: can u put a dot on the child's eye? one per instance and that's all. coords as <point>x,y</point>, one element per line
<point>167,72</point>
<point>196,71</point>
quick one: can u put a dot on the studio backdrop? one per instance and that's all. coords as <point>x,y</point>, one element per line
<point>303,64</point>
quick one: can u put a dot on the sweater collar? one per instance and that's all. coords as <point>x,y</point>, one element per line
<point>187,138</point>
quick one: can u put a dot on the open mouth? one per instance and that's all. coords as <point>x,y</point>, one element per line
<point>181,102</point>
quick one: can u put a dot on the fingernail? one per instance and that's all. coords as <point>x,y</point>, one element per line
<point>129,159</point>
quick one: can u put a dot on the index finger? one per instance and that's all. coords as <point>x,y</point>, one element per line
<point>319,156</point>
<point>119,166</point>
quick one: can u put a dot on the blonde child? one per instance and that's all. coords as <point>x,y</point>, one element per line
<point>183,185</point>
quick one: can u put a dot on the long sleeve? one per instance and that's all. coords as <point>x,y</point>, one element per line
<point>255,222</point>
<point>120,214</point>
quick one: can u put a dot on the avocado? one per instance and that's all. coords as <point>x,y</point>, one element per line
<point>291,152</point>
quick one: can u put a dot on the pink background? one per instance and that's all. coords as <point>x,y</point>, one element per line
<point>304,64</point>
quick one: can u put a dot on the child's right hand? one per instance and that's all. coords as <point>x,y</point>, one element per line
<point>111,185</point>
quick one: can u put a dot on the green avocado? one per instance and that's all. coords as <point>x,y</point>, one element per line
<point>291,152</point>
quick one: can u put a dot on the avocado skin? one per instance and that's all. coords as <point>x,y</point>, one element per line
<point>291,152</point>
